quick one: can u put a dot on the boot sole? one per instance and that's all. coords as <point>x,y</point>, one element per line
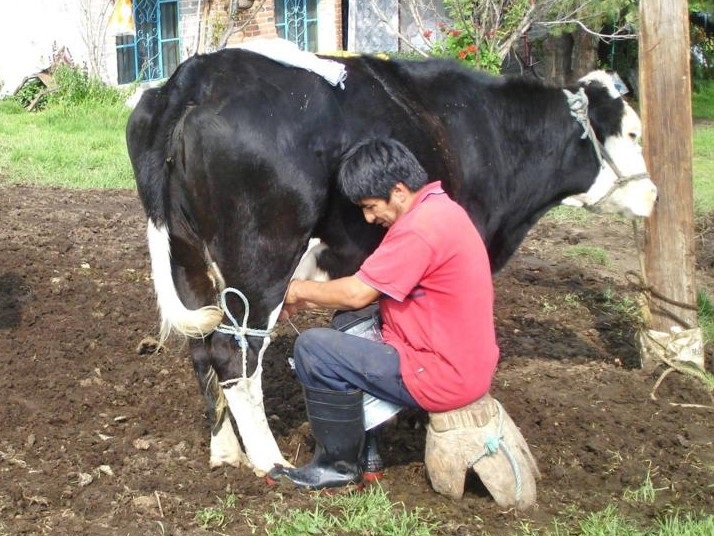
<point>339,490</point>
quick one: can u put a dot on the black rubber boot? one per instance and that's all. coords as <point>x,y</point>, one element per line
<point>372,464</point>
<point>337,422</point>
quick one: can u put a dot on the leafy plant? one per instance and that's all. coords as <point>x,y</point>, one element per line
<point>76,87</point>
<point>28,92</point>
<point>479,32</point>
<point>217,516</point>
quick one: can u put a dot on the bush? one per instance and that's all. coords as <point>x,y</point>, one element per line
<point>28,92</point>
<point>76,87</point>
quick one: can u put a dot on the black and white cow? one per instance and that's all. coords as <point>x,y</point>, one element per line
<point>235,159</point>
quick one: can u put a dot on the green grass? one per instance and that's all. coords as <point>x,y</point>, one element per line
<point>68,146</point>
<point>705,316</point>
<point>703,100</point>
<point>703,166</point>
<point>609,522</point>
<point>372,512</point>
<point>369,512</point>
<point>589,254</point>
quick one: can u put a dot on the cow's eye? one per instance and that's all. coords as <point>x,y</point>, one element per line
<point>634,136</point>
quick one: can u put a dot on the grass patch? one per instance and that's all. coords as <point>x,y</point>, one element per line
<point>703,166</point>
<point>705,316</point>
<point>567,215</point>
<point>369,512</point>
<point>609,522</point>
<point>645,494</point>
<point>69,146</point>
<point>590,254</point>
<point>703,99</point>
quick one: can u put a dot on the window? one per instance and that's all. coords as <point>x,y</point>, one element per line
<point>153,52</point>
<point>296,21</point>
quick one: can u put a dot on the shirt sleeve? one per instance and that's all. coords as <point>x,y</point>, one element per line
<point>397,265</point>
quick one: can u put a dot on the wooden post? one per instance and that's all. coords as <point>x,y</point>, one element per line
<point>665,105</point>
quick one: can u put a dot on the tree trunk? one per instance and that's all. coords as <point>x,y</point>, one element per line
<point>584,56</point>
<point>556,58</point>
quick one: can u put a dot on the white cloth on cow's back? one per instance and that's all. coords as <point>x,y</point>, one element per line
<point>288,53</point>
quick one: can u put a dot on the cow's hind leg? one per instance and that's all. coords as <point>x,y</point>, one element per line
<point>184,284</point>
<point>225,447</point>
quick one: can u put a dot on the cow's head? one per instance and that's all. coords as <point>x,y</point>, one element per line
<point>623,184</point>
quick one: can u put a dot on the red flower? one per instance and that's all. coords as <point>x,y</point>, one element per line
<point>462,54</point>
<point>471,48</point>
<point>427,33</point>
<point>455,33</point>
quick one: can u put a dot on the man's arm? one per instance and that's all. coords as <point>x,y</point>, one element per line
<point>344,293</point>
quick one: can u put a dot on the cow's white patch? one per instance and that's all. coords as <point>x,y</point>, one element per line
<point>245,400</point>
<point>195,323</point>
<point>225,448</point>
<point>603,78</point>
<point>307,268</point>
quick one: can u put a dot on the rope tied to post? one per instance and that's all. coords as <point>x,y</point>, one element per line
<point>492,444</point>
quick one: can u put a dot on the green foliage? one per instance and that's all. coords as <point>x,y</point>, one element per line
<point>705,316</point>
<point>703,168</point>
<point>703,99</point>
<point>591,254</point>
<point>369,512</point>
<point>477,33</point>
<point>76,87</point>
<point>216,517</point>
<point>28,92</point>
<point>459,44</point>
<point>610,522</point>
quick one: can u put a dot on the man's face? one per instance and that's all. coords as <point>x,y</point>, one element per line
<point>379,211</point>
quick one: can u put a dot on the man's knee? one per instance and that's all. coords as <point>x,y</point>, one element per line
<point>309,353</point>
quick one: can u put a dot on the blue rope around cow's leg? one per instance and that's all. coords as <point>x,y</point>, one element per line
<point>241,331</point>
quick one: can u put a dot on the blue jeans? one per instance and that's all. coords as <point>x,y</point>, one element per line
<point>327,358</point>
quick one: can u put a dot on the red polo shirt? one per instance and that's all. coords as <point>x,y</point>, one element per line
<point>437,304</point>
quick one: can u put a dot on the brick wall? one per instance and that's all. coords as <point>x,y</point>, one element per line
<point>258,21</point>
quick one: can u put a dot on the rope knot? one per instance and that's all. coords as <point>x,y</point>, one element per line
<point>491,445</point>
<point>241,331</point>
<point>578,104</point>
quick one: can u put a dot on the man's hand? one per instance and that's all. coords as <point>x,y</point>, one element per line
<point>291,304</point>
<point>344,293</point>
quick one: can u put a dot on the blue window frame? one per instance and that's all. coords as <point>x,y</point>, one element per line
<point>296,21</point>
<point>153,52</point>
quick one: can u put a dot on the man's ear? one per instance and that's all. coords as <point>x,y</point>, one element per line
<point>400,190</point>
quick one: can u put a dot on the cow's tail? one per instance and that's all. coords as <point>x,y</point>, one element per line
<point>175,316</point>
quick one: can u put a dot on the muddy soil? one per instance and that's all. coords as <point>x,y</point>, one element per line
<point>99,436</point>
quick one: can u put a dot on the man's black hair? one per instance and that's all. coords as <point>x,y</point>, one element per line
<point>374,166</point>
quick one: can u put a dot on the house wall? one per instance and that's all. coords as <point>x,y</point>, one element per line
<point>32,29</point>
<point>29,32</point>
<point>259,22</point>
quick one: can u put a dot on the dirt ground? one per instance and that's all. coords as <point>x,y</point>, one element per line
<point>99,438</point>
